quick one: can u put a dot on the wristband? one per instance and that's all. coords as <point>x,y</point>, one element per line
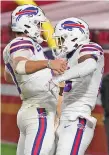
<point>20,68</point>
<point>49,64</point>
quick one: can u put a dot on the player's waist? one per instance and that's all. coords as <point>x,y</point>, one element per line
<point>34,78</point>
<point>33,87</point>
<point>30,94</point>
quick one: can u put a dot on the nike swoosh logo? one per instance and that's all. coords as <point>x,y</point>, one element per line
<point>66,126</point>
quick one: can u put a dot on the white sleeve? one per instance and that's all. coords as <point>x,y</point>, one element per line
<point>77,71</point>
<point>26,53</point>
<point>22,48</point>
<point>94,49</point>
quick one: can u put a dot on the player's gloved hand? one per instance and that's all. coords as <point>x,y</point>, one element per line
<point>53,88</point>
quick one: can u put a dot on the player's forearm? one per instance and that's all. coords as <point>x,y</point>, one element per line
<point>34,66</point>
<point>25,66</point>
<point>77,71</point>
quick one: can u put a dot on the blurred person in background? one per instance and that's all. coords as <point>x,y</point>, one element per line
<point>26,65</point>
<point>105,103</point>
<point>82,81</point>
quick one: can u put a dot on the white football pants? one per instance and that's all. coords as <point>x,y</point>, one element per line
<point>36,127</point>
<point>74,137</point>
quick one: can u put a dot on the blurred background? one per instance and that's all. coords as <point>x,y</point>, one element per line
<point>96,14</point>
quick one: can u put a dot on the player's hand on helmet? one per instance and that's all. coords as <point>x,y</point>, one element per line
<point>58,65</point>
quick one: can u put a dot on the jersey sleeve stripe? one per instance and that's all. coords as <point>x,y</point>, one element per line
<point>21,42</point>
<point>88,50</point>
<point>22,47</point>
<point>93,46</point>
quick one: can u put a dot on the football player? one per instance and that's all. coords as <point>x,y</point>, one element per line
<point>30,70</point>
<point>82,81</point>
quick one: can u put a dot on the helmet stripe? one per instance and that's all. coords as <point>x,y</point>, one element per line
<point>26,11</point>
<point>73,25</point>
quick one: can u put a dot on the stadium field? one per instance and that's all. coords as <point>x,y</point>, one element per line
<point>8,149</point>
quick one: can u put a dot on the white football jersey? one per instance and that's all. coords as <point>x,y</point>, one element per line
<point>83,91</point>
<point>28,85</point>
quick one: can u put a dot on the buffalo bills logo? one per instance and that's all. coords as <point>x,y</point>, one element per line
<point>28,11</point>
<point>69,25</point>
<point>81,126</point>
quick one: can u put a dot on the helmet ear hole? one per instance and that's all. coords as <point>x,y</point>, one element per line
<point>65,36</point>
<point>74,39</point>
<point>27,26</point>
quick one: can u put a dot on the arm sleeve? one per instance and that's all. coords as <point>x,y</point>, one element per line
<point>26,53</point>
<point>77,71</point>
<point>22,48</point>
<point>94,49</point>
<point>84,68</point>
